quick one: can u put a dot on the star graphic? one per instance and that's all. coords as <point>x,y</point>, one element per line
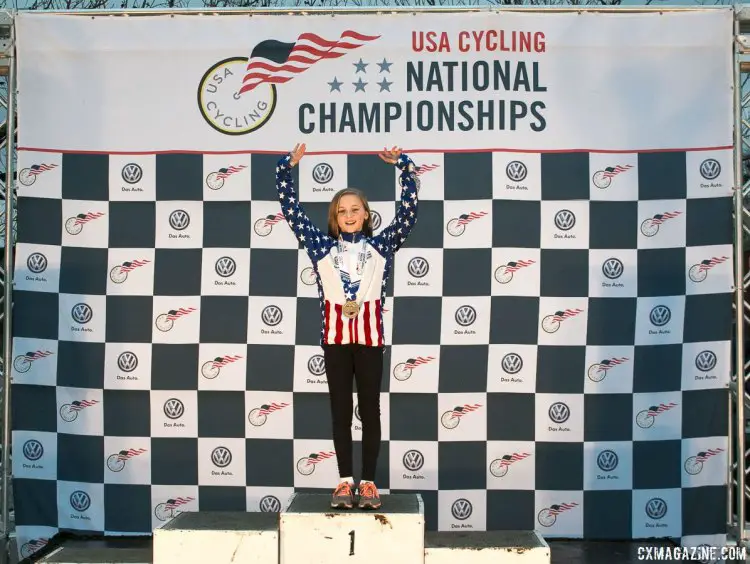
<point>360,66</point>
<point>335,84</point>
<point>385,66</point>
<point>359,85</point>
<point>384,85</point>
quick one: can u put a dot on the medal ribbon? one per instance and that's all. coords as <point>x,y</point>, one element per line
<point>345,278</point>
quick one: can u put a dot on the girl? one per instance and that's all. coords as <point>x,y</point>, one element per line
<point>352,268</point>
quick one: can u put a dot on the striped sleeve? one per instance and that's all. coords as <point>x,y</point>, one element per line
<point>313,239</point>
<point>395,234</point>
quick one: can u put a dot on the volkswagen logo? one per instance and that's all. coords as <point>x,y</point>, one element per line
<point>565,220</point>
<point>317,365</point>
<point>270,504</point>
<point>322,173</point>
<point>225,267</point>
<point>512,363</point>
<point>179,220</point>
<point>271,315</point>
<point>127,361</point>
<point>656,508</point>
<point>33,450</point>
<point>461,509</point>
<point>559,412</point>
<point>705,361</point>
<point>413,460</point>
<point>516,171</point>
<point>612,268</point>
<point>710,169</point>
<point>132,173</point>
<point>607,460</point>
<point>174,408</point>
<point>376,220</point>
<point>466,315</point>
<point>419,267</point>
<point>81,313</point>
<point>660,316</point>
<point>36,263</point>
<point>80,501</point>
<point>221,457</point>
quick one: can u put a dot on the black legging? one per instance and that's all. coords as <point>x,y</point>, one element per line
<point>344,363</point>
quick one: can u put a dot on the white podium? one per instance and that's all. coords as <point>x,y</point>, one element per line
<point>219,537</point>
<point>486,547</point>
<point>313,533</point>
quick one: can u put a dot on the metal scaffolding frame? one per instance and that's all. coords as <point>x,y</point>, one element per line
<point>737,466</point>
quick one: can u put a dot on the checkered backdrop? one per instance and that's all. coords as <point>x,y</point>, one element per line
<point>557,324</point>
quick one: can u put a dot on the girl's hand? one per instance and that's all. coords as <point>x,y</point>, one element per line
<point>297,153</point>
<point>391,157</point>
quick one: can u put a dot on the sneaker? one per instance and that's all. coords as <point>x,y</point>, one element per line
<point>368,496</point>
<point>342,496</point>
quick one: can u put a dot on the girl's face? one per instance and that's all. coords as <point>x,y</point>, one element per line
<point>351,214</point>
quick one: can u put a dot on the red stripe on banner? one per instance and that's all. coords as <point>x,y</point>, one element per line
<point>367,321</point>
<point>339,326</point>
<point>326,322</point>
<point>351,330</point>
<point>356,329</point>
<point>378,313</point>
<point>374,152</point>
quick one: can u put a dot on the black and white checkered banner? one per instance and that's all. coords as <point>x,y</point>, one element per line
<point>557,325</point>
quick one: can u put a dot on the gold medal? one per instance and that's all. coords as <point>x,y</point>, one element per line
<point>351,309</point>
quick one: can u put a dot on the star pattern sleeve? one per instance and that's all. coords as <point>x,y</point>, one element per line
<point>394,235</point>
<point>313,239</point>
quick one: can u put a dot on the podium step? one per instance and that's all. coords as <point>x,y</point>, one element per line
<point>313,533</point>
<point>85,555</point>
<point>218,537</point>
<point>486,547</point>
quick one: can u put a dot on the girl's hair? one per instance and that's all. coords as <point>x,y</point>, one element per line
<point>333,212</point>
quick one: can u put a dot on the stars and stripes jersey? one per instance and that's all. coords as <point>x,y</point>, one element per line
<point>367,328</point>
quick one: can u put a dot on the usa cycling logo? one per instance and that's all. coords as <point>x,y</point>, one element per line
<point>238,95</point>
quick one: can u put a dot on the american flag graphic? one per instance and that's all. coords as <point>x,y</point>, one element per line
<point>710,263</point>
<point>414,362</point>
<point>35,170</point>
<point>608,363</point>
<point>174,314</point>
<point>273,219</point>
<point>509,459</point>
<point>469,217</point>
<point>223,173</point>
<point>126,455</point>
<point>176,502</point>
<point>130,266</point>
<point>81,405</point>
<point>515,266</point>
<point>557,509</point>
<point>267,409</point>
<point>705,455</point>
<point>460,410</point>
<point>655,410</point>
<point>276,62</point>
<point>83,218</point>
<point>316,457</point>
<point>425,168</point>
<point>221,361</point>
<point>32,356</point>
<point>611,171</point>
<point>568,313</point>
<point>660,218</point>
